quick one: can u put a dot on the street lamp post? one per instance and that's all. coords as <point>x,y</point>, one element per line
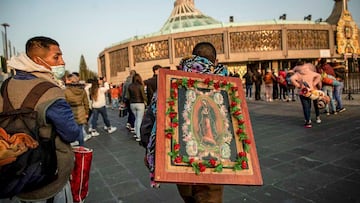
<point>6,44</point>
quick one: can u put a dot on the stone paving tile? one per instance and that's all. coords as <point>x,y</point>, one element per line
<point>339,191</point>
<point>321,164</point>
<point>305,182</point>
<point>270,193</point>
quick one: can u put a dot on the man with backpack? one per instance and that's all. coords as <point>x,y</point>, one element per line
<point>37,79</point>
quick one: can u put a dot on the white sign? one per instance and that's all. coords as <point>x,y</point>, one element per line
<point>324,53</point>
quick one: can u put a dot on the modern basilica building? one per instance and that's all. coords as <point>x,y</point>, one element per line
<point>275,44</point>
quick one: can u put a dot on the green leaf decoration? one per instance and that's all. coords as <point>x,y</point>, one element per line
<point>237,167</point>
<point>170,130</point>
<point>172,155</point>
<point>196,168</point>
<point>218,168</point>
<point>185,159</point>
<point>246,148</point>
<point>196,83</point>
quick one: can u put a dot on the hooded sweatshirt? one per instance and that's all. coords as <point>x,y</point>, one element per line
<point>306,74</point>
<point>23,63</point>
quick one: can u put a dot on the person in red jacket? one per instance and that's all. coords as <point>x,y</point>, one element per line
<point>282,84</point>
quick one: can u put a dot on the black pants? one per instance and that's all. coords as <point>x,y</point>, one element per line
<point>257,91</point>
<point>131,116</point>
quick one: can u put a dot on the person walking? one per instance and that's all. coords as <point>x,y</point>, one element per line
<point>43,61</point>
<point>203,61</point>
<point>138,101</point>
<point>98,97</point>
<point>283,85</point>
<point>151,83</point>
<point>305,77</point>
<point>275,89</point>
<point>248,82</point>
<point>258,82</point>
<point>114,92</point>
<point>77,98</point>
<point>269,80</point>
<point>131,117</point>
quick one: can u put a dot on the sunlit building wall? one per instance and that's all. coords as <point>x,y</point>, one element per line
<point>274,44</point>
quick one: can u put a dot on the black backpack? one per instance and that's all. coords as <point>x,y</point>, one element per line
<point>36,167</point>
<point>146,126</point>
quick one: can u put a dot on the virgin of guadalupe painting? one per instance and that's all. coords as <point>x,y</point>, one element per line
<point>207,131</point>
<point>203,131</point>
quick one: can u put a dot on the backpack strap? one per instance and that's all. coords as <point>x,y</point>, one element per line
<point>30,100</point>
<point>35,93</point>
<point>7,106</point>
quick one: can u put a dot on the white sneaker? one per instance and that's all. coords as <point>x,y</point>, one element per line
<point>105,128</point>
<point>138,139</point>
<point>318,120</point>
<point>76,143</point>
<point>87,137</point>
<point>111,129</point>
<point>94,133</point>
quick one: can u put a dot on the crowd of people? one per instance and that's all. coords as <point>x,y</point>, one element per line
<point>74,108</point>
<point>288,85</point>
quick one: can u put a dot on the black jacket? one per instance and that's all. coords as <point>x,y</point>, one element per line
<point>136,93</point>
<point>151,86</point>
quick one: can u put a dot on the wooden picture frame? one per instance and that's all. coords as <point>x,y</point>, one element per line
<point>204,133</point>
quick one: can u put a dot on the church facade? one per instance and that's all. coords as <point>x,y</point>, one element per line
<point>274,44</point>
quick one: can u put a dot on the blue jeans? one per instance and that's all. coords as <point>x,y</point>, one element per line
<point>138,109</point>
<point>306,104</point>
<point>248,90</point>
<point>329,91</point>
<point>337,95</point>
<point>114,103</point>
<point>283,92</point>
<point>291,91</point>
<point>95,113</point>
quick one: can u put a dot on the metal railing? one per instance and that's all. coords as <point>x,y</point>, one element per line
<point>352,84</point>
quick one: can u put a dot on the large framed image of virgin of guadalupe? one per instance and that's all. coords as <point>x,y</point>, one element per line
<point>204,133</point>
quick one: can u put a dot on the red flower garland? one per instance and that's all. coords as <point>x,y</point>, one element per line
<point>241,162</point>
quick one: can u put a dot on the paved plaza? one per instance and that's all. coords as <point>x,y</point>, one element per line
<point>321,164</point>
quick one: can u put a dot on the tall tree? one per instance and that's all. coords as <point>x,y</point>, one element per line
<point>84,72</point>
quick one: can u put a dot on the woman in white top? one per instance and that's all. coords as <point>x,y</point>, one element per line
<point>98,98</point>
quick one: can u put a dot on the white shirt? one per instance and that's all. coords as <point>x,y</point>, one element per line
<point>101,100</point>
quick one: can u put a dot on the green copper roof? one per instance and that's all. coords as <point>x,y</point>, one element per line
<point>185,15</point>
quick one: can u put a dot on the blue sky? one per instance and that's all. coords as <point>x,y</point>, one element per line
<point>87,27</point>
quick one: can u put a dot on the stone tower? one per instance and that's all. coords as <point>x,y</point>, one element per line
<point>347,32</point>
